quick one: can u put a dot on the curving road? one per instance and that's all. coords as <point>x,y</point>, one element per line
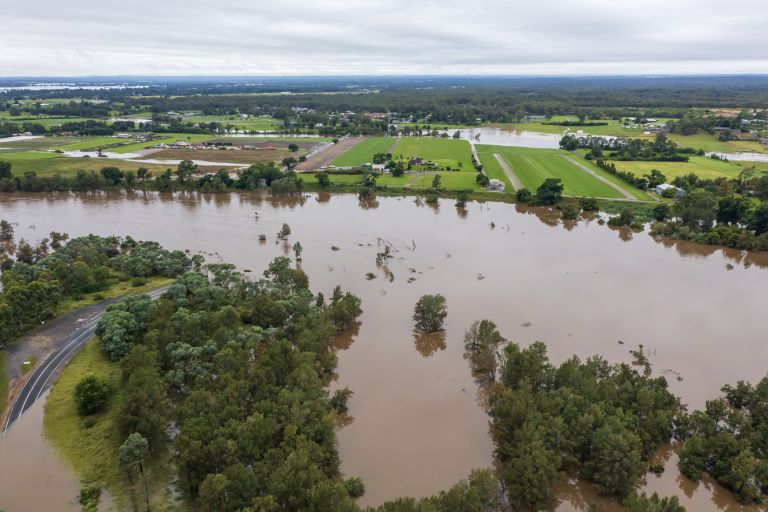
<point>43,375</point>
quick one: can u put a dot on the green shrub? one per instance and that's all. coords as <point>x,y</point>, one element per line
<point>138,281</point>
<point>91,394</point>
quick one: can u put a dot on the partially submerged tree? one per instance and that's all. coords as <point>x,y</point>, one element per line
<point>429,313</point>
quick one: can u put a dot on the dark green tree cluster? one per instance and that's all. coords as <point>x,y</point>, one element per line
<point>40,277</point>
<point>729,440</point>
<point>480,492</point>
<point>732,220</point>
<point>661,149</point>
<point>603,419</point>
<point>240,369</point>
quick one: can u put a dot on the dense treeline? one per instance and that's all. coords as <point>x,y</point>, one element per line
<point>39,277</point>
<point>441,100</point>
<point>732,220</point>
<point>241,368</point>
<point>182,178</point>
<point>729,440</point>
<point>661,149</point>
<point>604,420</point>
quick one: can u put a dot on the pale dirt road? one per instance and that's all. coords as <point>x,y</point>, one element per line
<point>516,183</point>
<point>329,154</point>
<point>624,193</point>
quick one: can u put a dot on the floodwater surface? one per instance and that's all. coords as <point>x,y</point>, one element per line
<point>417,422</point>
<point>511,137</point>
<point>32,477</point>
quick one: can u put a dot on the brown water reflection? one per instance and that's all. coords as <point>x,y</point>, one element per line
<point>418,426</point>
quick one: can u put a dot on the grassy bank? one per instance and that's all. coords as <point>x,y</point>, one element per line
<point>92,451</point>
<point>116,289</point>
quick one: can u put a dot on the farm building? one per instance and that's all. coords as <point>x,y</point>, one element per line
<point>495,185</point>
<point>660,189</point>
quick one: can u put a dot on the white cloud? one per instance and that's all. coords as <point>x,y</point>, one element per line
<point>303,37</point>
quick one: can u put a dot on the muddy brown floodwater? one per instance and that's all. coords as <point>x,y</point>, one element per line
<point>584,289</point>
<point>32,477</point>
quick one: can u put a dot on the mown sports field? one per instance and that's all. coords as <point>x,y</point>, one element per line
<point>363,152</point>
<point>532,166</point>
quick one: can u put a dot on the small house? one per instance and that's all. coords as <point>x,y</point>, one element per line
<point>416,161</point>
<point>660,189</point>
<point>495,185</point>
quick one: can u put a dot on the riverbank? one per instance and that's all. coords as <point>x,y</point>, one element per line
<point>39,344</point>
<point>88,445</point>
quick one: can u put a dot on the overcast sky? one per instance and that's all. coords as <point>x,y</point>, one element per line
<point>335,37</point>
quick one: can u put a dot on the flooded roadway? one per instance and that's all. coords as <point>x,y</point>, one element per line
<point>417,424</point>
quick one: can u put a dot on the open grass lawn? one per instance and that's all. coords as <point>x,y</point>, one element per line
<point>450,180</point>
<point>533,166</point>
<point>91,143</point>
<point>39,144</point>
<point>45,120</point>
<point>48,164</point>
<point>92,452</point>
<point>491,166</point>
<point>116,289</point>
<point>445,152</point>
<point>703,167</point>
<point>707,142</point>
<point>364,151</point>
<point>246,157</point>
<point>169,138</point>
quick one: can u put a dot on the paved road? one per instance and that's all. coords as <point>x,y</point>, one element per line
<point>43,375</point>
<point>516,183</point>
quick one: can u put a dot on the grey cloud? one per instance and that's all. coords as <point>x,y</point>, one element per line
<point>85,37</point>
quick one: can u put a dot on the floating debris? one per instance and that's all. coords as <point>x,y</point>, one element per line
<point>370,276</point>
<point>334,248</point>
<point>480,277</point>
<point>728,266</point>
<point>526,324</point>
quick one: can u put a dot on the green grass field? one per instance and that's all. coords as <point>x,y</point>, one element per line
<point>707,142</point>
<point>532,166</point>
<point>491,166</point>
<point>445,152</point>
<point>48,164</point>
<point>92,452</point>
<point>703,167</point>
<point>364,151</point>
<point>451,180</point>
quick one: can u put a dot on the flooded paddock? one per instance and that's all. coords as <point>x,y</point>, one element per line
<point>417,424</point>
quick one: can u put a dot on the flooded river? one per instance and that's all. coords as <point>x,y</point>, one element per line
<point>509,137</point>
<point>417,425</point>
<point>32,477</point>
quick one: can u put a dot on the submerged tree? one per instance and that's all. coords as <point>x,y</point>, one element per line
<point>429,313</point>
